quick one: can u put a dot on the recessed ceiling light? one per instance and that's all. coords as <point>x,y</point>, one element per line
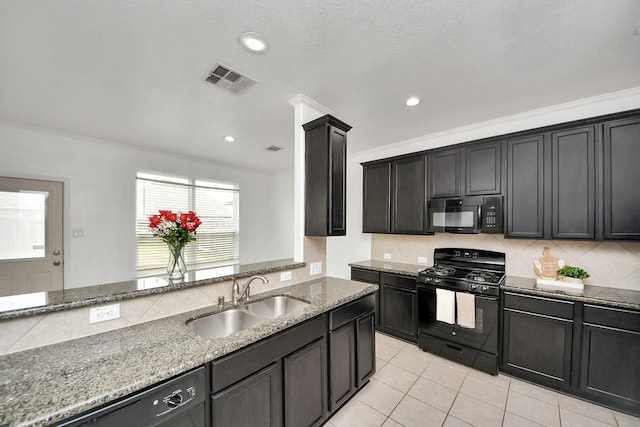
<point>253,42</point>
<point>229,138</point>
<point>412,102</point>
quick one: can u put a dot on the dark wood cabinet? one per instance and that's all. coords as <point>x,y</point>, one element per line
<point>525,187</point>
<point>610,357</point>
<point>376,197</point>
<point>573,183</point>
<point>369,276</point>
<point>537,339</point>
<point>483,168</point>
<point>325,177</point>
<point>399,306</point>
<point>395,196</point>
<point>409,195</point>
<point>306,406</point>
<point>621,177</point>
<point>444,173</point>
<point>351,349</point>
<point>254,401</point>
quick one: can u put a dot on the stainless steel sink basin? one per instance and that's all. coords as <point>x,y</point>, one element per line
<point>229,322</point>
<point>224,323</point>
<point>273,307</point>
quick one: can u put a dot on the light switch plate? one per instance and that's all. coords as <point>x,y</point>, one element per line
<point>315,268</point>
<point>387,256</point>
<point>422,259</point>
<point>285,275</point>
<point>102,314</point>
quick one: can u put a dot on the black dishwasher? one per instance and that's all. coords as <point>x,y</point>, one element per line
<point>179,402</point>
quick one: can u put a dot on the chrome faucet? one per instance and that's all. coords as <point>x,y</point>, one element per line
<point>237,293</point>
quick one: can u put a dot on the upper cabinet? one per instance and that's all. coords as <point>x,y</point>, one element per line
<point>483,172</point>
<point>444,173</point>
<point>525,191</point>
<point>325,177</point>
<point>394,196</point>
<point>573,183</point>
<point>621,178</point>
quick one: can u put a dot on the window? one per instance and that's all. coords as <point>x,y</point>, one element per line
<point>216,204</point>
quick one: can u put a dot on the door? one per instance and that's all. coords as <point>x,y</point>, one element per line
<point>376,198</point>
<point>409,195</point>
<point>31,225</point>
<point>444,173</point>
<point>342,360</point>
<point>483,169</point>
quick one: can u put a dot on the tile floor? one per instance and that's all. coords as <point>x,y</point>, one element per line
<point>415,388</point>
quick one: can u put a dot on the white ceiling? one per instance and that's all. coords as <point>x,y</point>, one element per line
<point>132,71</point>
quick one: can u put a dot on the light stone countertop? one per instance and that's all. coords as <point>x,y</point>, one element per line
<point>48,384</point>
<point>390,267</point>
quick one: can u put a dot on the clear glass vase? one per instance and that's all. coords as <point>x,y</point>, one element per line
<point>176,269</point>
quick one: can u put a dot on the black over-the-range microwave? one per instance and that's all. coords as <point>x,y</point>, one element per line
<point>476,214</point>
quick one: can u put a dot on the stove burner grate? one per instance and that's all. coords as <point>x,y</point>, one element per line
<point>482,276</point>
<point>441,270</point>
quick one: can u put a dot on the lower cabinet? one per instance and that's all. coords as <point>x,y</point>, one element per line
<point>610,357</point>
<point>351,349</point>
<point>399,306</point>
<point>586,350</point>
<point>281,380</point>
<point>537,339</point>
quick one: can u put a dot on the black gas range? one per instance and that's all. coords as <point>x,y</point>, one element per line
<point>459,306</point>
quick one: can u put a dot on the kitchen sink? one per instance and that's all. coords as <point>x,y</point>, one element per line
<point>224,323</point>
<point>229,322</point>
<point>273,307</point>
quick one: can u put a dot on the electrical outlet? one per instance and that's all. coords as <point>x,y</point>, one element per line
<point>102,314</point>
<point>422,259</point>
<point>387,256</point>
<point>315,268</point>
<point>285,275</point>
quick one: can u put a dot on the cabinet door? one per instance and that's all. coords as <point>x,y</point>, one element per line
<point>305,385</point>
<point>444,173</point>
<point>398,305</point>
<point>483,169</point>
<point>621,178</point>
<point>537,347</point>
<point>610,357</point>
<point>573,179</point>
<point>342,359</point>
<point>525,173</point>
<point>408,203</point>
<point>254,401</point>
<point>366,348</point>
<point>376,198</point>
<point>338,182</point>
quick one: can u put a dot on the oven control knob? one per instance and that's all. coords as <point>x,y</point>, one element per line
<point>474,255</point>
<point>436,280</point>
<point>427,279</point>
<point>474,286</point>
<point>485,288</point>
<point>453,333</point>
<point>456,253</point>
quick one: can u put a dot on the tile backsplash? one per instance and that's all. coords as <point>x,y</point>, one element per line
<point>610,264</point>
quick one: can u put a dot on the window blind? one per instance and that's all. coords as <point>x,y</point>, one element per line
<point>216,205</point>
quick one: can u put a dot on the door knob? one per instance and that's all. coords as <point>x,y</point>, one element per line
<point>56,263</point>
<point>56,252</point>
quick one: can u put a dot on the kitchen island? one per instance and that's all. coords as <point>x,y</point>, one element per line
<point>48,384</point>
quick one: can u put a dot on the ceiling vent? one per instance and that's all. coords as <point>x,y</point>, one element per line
<point>229,79</point>
<point>274,148</point>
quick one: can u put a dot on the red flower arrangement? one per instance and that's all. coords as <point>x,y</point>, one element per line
<point>173,230</point>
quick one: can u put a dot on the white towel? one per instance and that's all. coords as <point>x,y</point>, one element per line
<point>445,306</point>
<point>466,306</point>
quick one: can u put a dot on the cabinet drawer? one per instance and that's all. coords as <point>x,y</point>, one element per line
<point>238,365</point>
<point>351,311</point>
<point>539,305</point>
<point>363,275</point>
<point>612,317</point>
<point>406,282</point>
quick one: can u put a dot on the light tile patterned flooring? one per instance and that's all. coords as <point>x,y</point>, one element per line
<point>415,388</point>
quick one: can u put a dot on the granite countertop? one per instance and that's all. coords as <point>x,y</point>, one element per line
<point>389,267</point>
<point>612,297</point>
<point>51,383</point>
<point>91,295</point>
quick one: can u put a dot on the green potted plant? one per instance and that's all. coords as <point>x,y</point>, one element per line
<point>572,274</point>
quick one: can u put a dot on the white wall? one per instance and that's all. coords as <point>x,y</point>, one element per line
<point>99,178</point>
<point>353,247</point>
